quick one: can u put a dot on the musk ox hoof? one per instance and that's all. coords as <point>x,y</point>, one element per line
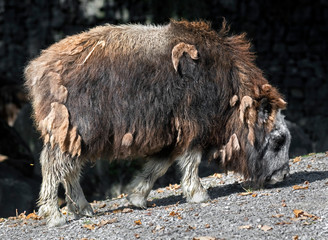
<point>137,200</point>
<point>199,197</point>
<point>87,211</point>
<point>56,220</point>
<point>43,211</point>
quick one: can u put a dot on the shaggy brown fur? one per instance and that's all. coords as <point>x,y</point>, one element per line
<point>136,91</point>
<point>88,90</point>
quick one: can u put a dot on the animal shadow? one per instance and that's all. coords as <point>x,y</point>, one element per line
<point>228,189</point>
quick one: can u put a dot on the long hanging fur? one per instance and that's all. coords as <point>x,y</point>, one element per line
<point>179,91</point>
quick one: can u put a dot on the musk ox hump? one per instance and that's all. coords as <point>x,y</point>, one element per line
<point>101,43</point>
<point>56,130</point>
<point>178,51</point>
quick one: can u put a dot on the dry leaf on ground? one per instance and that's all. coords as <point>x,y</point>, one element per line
<point>204,238</point>
<point>102,205</point>
<point>127,210</point>
<point>297,159</point>
<point>216,175</point>
<point>245,227</point>
<point>158,228</point>
<point>137,222</point>
<point>283,223</point>
<point>121,195</point>
<point>265,228</point>
<point>175,214</point>
<point>297,187</point>
<point>105,222</point>
<point>298,212</point>
<point>33,216</point>
<point>89,226</point>
<point>302,215</point>
<point>245,193</point>
<point>173,187</point>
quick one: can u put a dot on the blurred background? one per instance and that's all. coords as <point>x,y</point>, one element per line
<point>288,38</point>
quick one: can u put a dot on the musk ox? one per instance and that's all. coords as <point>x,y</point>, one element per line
<point>179,92</point>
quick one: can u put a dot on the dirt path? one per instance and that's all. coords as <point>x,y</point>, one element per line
<point>294,209</point>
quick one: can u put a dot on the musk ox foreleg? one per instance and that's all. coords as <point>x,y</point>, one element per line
<point>59,167</point>
<point>190,182</point>
<point>144,181</point>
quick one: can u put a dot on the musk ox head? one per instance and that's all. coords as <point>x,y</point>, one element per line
<point>259,145</point>
<point>268,158</point>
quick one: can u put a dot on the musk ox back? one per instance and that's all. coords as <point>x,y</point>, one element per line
<point>180,92</point>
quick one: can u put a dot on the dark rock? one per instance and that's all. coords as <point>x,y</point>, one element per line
<point>279,47</point>
<point>25,128</point>
<point>12,146</point>
<point>17,194</point>
<point>229,4</point>
<point>58,18</point>
<point>254,11</point>
<point>301,143</point>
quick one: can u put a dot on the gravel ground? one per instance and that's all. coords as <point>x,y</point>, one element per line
<point>294,209</point>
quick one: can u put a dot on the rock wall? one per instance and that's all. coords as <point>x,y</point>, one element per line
<point>288,37</point>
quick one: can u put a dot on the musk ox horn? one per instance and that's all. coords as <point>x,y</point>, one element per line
<point>178,51</point>
<point>246,102</point>
<point>233,100</point>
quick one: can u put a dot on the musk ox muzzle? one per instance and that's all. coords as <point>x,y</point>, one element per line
<point>179,92</point>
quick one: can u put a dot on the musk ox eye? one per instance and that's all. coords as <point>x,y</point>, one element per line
<point>278,142</point>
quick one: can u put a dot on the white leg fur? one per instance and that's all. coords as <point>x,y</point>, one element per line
<point>144,181</point>
<point>48,200</point>
<point>190,182</point>
<point>76,202</point>
<point>60,167</point>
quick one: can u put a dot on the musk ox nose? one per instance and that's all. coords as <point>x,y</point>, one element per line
<point>278,175</point>
<point>287,175</point>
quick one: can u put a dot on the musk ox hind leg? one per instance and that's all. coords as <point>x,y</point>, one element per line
<point>51,177</point>
<point>144,181</point>
<point>190,182</point>
<point>58,167</point>
<point>76,202</point>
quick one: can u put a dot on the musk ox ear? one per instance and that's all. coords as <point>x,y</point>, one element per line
<point>178,53</point>
<point>264,110</point>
